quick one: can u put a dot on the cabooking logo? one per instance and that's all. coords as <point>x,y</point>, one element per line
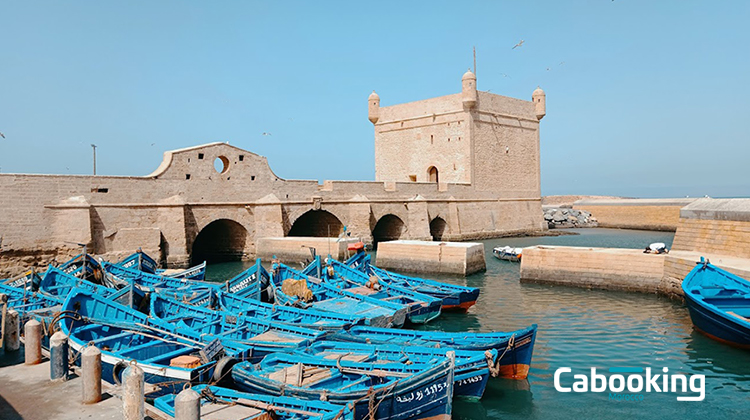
<point>635,383</point>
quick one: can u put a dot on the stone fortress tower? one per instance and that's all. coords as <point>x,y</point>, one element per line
<point>479,138</point>
<point>453,168</point>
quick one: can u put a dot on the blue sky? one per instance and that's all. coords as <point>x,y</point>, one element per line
<point>644,98</point>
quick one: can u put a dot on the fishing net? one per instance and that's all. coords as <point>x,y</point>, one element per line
<point>297,288</point>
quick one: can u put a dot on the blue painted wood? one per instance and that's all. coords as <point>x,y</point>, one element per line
<point>515,348</point>
<point>124,335</point>
<point>719,303</point>
<point>453,296</point>
<point>308,318</point>
<point>263,335</point>
<point>284,408</point>
<point>141,261</point>
<point>329,298</point>
<point>422,308</point>
<point>472,369</point>
<point>392,390</point>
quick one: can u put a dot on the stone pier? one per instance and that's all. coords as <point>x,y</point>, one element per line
<point>717,229</point>
<point>462,258</point>
<point>293,249</point>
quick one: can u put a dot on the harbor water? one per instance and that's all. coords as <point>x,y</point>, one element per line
<point>583,329</point>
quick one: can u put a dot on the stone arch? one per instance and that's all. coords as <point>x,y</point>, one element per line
<point>319,223</point>
<point>438,228</point>
<point>388,228</point>
<point>433,175</point>
<point>219,241</point>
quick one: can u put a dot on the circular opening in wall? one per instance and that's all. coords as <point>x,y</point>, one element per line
<point>221,164</point>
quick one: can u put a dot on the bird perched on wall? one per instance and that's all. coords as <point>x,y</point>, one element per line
<point>520,44</point>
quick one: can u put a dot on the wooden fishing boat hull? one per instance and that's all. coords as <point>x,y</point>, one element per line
<point>197,272</point>
<point>719,304</point>
<point>421,308</point>
<point>454,297</point>
<point>252,406</point>
<point>374,311</point>
<point>426,395</point>
<point>307,318</point>
<point>506,256</point>
<point>471,385</point>
<point>471,367</point>
<point>124,335</point>
<point>515,348</point>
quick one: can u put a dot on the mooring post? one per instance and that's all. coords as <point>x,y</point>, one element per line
<point>91,370</point>
<point>187,405</point>
<point>58,356</point>
<point>12,331</point>
<point>4,304</point>
<point>451,378</point>
<point>32,333</point>
<point>132,395</point>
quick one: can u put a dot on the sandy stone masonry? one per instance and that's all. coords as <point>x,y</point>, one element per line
<point>636,213</point>
<point>717,229</point>
<point>485,184</point>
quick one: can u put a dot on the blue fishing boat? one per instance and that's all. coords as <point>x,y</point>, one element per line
<point>719,303</point>
<point>515,348</point>
<point>472,370</point>
<point>169,356</point>
<point>30,304</point>
<point>58,283</point>
<point>140,261</point>
<point>143,262</point>
<point>308,318</point>
<point>372,390</point>
<point>84,266</point>
<point>253,283</point>
<point>192,291</point>
<point>197,272</point>
<point>292,288</point>
<point>421,308</point>
<point>29,280</point>
<point>227,403</point>
<point>454,297</point>
<point>262,335</point>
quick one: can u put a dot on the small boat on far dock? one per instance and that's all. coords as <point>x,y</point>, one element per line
<point>507,253</point>
<point>719,303</point>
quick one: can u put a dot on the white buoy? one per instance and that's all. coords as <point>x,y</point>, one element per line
<point>91,370</point>
<point>32,333</point>
<point>187,405</point>
<point>132,395</point>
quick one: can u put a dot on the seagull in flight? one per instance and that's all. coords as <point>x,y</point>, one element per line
<point>266,134</point>
<point>153,144</point>
<point>2,135</point>
<point>505,75</point>
<point>520,44</point>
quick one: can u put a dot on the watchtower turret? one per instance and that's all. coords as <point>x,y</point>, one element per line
<point>540,102</point>
<point>373,107</point>
<point>469,89</point>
